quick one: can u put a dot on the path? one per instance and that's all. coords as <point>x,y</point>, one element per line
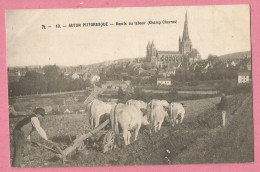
<point>93,95</point>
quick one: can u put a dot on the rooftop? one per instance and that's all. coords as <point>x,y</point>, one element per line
<point>163,79</point>
<point>169,52</point>
<point>244,73</point>
<point>116,82</point>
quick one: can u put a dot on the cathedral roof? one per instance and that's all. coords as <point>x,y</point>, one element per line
<point>169,52</point>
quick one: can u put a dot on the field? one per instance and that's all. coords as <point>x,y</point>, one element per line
<point>199,139</point>
<point>200,92</point>
<point>211,85</point>
<point>53,103</point>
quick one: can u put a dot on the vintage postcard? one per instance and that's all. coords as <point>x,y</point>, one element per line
<point>130,86</point>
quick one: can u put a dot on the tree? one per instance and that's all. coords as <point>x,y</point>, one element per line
<point>52,72</point>
<point>213,59</point>
<point>138,93</point>
<point>120,93</point>
<point>33,83</point>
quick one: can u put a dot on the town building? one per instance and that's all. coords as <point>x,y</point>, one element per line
<point>75,76</point>
<point>164,81</point>
<point>116,84</point>
<point>171,60</point>
<point>244,77</point>
<point>13,77</point>
<point>234,62</point>
<point>94,78</point>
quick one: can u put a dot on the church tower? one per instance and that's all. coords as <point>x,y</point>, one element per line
<point>148,50</point>
<point>153,48</point>
<point>151,52</point>
<point>185,45</point>
<point>180,45</point>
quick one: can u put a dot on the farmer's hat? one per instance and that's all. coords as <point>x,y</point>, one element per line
<point>40,111</point>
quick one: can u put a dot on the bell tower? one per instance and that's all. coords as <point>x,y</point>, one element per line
<point>185,45</point>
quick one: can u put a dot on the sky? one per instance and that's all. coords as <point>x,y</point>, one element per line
<point>214,30</point>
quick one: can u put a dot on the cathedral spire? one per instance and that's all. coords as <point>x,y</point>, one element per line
<point>148,45</point>
<point>186,36</point>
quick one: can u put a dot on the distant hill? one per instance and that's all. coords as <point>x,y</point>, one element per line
<point>237,55</point>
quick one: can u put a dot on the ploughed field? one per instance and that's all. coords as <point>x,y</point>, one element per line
<point>199,139</point>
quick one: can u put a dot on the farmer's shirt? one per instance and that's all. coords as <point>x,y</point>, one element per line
<point>223,103</point>
<point>29,124</point>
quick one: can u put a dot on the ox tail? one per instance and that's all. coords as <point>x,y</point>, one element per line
<point>90,111</point>
<point>182,115</point>
<point>171,114</point>
<point>150,116</point>
<point>114,120</point>
<point>152,112</point>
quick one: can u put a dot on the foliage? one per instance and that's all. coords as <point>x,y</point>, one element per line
<point>240,88</point>
<point>120,93</point>
<point>51,81</point>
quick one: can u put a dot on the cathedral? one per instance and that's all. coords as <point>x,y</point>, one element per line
<point>170,60</point>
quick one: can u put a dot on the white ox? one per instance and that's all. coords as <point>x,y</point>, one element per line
<point>158,112</point>
<point>162,103</point>
<point>96,109</point>
<point>137,103</point>
<point>177,110</point>
<point>158,117</point>
<point>130,118</point>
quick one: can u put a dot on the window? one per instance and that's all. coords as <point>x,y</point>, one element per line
<point>162,58</point>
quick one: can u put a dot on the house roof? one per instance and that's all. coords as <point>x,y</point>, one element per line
<point>244,73</point>
<point>116,82</point>
<point>163,79</point>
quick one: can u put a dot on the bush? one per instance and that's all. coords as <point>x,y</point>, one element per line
<point>239,88</point>
<point>19,107</point>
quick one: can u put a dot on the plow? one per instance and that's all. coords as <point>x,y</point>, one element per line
<point>108,140</point>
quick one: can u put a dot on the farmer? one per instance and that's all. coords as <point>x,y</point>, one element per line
<point>223,108</point>
<point>23,130</point>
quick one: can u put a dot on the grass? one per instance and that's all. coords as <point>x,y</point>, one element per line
<point>232,144</point>
<point>71,101</point>
<point>210,85</point>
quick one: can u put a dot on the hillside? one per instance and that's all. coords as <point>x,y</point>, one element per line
<point>237,55</point>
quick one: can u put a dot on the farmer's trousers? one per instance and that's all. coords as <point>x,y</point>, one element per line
<point>19,144</point>
<point>223,118</point>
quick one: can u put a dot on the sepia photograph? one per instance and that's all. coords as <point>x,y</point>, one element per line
<point>129,86</point>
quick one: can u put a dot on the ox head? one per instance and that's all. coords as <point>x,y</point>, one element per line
<point>167,109</point>
<point>145,120</point>
<point>143,105</point>
<point>144,111</point>
<point>165,103</point>
<point>166,106</point>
